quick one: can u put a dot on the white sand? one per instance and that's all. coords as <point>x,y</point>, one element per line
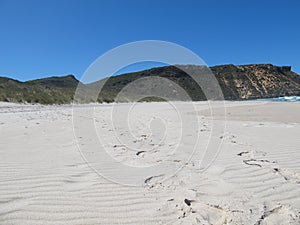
<point>255,178</point>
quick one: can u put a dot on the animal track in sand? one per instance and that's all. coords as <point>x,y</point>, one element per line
<point>243,153</point>
<point>140,153</point>
<point>153,180</point>
<point>256,162</point>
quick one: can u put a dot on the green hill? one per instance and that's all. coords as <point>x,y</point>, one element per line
<point>53,90</point>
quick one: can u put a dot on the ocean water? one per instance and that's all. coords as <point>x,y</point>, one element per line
<point>284,99</point>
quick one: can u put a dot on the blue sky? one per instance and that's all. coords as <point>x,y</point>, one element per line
<point>59,37</point>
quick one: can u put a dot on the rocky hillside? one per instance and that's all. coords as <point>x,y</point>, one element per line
<point>237,83</point>
<point>257,81</point>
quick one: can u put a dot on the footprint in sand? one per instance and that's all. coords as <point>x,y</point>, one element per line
<point>288,175</point>
<point>196,212</point>
<point>279,214</point>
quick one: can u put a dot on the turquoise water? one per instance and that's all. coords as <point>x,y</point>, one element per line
<point>284,99</point>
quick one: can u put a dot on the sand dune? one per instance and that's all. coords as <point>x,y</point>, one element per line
<point>254,178</point>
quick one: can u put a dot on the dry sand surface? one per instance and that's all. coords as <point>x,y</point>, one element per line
<point>254,179</point>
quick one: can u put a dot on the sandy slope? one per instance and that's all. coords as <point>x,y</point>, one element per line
<point>255,178</point>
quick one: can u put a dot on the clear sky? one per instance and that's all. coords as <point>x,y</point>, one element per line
<point>58,37</point>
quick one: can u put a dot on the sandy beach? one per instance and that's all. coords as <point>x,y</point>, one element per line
<point>253,177</point>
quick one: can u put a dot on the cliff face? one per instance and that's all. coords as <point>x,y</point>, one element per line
<point>257,81</point>
<point>237,83</point>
